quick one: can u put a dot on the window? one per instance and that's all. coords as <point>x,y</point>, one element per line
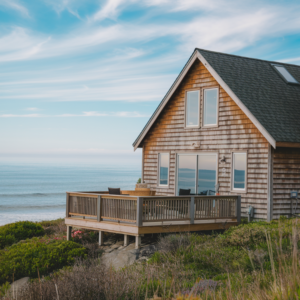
<point>197,173</point>
<point>285,74</point>
<point>210,107</point>
<point>239,171</point>
<point>192,109</point>
<point>163,169</point>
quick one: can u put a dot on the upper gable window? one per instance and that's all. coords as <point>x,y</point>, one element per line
<point>285,74</point>
<point>192,108</point>
<point>210,107</point>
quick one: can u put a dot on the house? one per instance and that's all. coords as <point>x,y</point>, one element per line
<point>225,137</point>
<point>228,125</point>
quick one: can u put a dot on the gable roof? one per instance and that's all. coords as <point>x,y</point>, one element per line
<point>270,103</point>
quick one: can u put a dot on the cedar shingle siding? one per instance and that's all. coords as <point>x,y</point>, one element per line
<point>274,103</point>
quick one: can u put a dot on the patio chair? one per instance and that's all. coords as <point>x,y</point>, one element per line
<point>114,191</point>
<point>184,192</point>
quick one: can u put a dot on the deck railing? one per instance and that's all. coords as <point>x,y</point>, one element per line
<point>139,210</point>
<point>166,208</point>
<point>119,208</point>
<point>82,205</point>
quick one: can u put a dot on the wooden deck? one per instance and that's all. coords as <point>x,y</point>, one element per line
<point>138,215</point>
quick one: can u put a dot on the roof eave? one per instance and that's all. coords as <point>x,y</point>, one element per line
<point>165,100</point>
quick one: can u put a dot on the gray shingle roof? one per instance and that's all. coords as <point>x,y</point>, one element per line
<point>272,101</point>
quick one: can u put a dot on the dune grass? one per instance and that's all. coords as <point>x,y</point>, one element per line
<point>258,260</point>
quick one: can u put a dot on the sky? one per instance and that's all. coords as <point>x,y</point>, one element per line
<point>80,79</point>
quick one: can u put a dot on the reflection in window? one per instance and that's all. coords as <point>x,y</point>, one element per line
<point>187,172</point>
<point>239,171</point>
<point>163,168</point>
<point>207,174</point>
<point>192,108</point>
<point>210,107</point>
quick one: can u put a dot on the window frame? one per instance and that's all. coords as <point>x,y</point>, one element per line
<point>185,109</point>
<point>237,190</point>
<point>203,107</point>
<point>278,72</point>
<point>158,170</point>
<point>191,153</point>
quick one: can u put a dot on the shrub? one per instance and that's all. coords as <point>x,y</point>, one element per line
<point>49,223</point>
<point>170,243</point>
<point>85,281</point>
<point>4,288</point>
<point>33,256</point>
<point>15,232</point>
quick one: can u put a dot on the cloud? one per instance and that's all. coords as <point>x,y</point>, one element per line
<point>231,27</point>
<point>292,60</point>
<point>70,5</point>
<point>110,10</point>
<point>21,116</point>
<point>121,114</point>
<point>16,6</point>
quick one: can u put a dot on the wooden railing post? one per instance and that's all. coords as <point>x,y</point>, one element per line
<point>67,205</point>
<point>139,212</point>
<point>238,209</point>
<point>99,210</point>
<point>192,210</point>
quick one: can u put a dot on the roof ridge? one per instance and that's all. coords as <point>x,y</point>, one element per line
<point>240,56</point>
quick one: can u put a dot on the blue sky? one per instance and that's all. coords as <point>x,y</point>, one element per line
<point>79,79</point>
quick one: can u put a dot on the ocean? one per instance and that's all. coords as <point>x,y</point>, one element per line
<point>38,192</point>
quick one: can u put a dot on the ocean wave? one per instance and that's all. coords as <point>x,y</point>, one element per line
<point>32,206</point>
<point>41,216</point>
<point>32,195</point>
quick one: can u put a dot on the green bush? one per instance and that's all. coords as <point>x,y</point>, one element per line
<point>4,288</point>
<point>15,232</point>
<point>32,256</point>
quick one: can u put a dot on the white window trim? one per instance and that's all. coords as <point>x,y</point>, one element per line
<point>232,189</point>
<point>158,171</point>
<point>203,110</point>
<point>184,153</point>
<point>185,109</point>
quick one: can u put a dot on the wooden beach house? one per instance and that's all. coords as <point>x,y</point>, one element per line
<point>225,137</point>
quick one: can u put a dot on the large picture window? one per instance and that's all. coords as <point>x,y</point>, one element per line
<point>210,107</point>
<point>239,171</point>
<point>192,109</point>
<point>163,169</point>
<point>197,174</point>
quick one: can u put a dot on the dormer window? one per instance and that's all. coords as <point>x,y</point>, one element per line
<point>285,74</point>
<point>192,109</point>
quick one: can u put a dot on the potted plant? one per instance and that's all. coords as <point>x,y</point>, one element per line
<point>140,185</point>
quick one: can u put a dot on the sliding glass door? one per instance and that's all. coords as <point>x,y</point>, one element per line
<point>196,174</point>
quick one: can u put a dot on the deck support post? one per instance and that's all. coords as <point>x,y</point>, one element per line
<point>139,212</point>
<point>69,232</point>
<point>192,210</point>
<point>126,240</point>
<point>101,236</point>
<point>138,241</point>
<point>238,208</point>
<point>67,205</point>
<point>99,206</point>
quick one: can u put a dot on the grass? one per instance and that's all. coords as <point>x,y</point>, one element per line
<point>258,260</point>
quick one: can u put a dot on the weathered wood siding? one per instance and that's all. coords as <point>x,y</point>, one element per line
<point>235,132</point>
<point>286,178</point>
